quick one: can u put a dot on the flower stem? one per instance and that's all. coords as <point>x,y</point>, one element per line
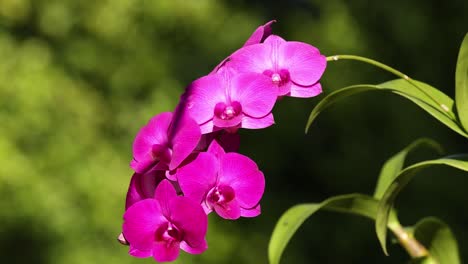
<point>414,248</point>
<point>445,108</point>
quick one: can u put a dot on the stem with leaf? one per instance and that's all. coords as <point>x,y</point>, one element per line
<point>445,108</point>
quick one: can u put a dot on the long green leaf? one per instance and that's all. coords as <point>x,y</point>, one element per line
<point>402,179</point>
<point>393,166</point>
<point>461,83</point>
<point>293,218</point>
<point>437,237</point>
<point>403,88</point>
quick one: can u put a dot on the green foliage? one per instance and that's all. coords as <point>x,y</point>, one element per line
<point>461,83</point>
<point>418,92</point>
<point>293,218</point>
<point>400,181</point>
<point>394,165</point>
<point>437,237</point>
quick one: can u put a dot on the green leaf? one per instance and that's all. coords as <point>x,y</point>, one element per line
<point>461,83</point>
<point>293,218</point>
<point>437,237</point>
<point>393,166</point>
<point>402,179</point>
<point>403,88</point>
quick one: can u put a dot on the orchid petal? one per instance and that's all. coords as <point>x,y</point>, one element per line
<point>303,61</point>
<point>188,216</point>
<point>202,95</point>
<point>255,93</point>
<point>260,34</point>
<point>155,132</point>
<point>258,123</point>
<point>254,58</point>
<point>140,222</point>
<point>165,252</point>
<point>230,210</point>
<point>252,212</point>
<point>199,176</point>
<point>185,139</point>
<point>142,186</point>
<point>139,253</point>
<point>164,193</point>
<point>194,250</point>
<point>243,175</point>
<point>306,91</point>
<point>216,149</point>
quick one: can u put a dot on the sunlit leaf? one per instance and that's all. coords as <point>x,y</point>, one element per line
<point>461,83</point>
<point>393,166</point>
<point>402,179</point>
<point>403,88</point>
<point>437,237</point>
<point>293,218</point>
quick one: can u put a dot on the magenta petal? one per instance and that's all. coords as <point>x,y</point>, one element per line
<point>258,123</point>
<point>274,41</point>
<point>216,149</point>
<point>260,34</point>
<point>252,212</point>
<point>229,210</point>
<point>243,175</point>
<point>144,164</point>
<point>165,252</point>
<point>303,61</point>
<point>155,132</point>
<point>254,58</point>
<point>208,127</point>
<point>164,193</point>
<point>194,250</point>
<point>306,91</point>
<point>142,186</point>
<point>202,95</point>
<point>138,253</point>
<point>199,176</point>
<point>189,217</point>
<point>255,92</point>
<point>140,222</point>
<point>185,139</point>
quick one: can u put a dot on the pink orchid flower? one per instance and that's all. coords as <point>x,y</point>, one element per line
<point>160,227</point>
<point>229,101</point>
<point>165,142</point>
<point>228,183</point>
<point>294,68</point>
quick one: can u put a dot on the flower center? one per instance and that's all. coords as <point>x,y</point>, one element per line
<point>161,152</point>
<point>168,233</point>
<point>220,195</point>
<point>276,78</point>
<point>227,112</point>
<point>279,77</point>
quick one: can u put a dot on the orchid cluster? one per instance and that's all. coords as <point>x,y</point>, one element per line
<point>186,162</point>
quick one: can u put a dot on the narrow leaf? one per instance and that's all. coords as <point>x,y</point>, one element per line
<point>461,83</point>
<point>403,88</point>
<point>293,218</point>
<point>402,179</point>
<point>393,166</point>
<point>437,237</point>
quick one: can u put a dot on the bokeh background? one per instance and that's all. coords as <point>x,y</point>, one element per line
<point>78,78</point>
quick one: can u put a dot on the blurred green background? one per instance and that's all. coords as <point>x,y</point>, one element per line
<point>79,78</point>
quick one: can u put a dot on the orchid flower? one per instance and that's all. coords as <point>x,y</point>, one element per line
<point>159,227</point>
<point>228,183</point>
<point>294,68</point>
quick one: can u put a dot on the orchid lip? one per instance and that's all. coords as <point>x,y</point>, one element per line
<point>220,195</point>
<point>168,233</point>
